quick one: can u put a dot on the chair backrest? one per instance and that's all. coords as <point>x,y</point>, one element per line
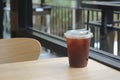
<point>19,49</point>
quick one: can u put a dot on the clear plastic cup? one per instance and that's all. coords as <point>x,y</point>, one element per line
<point>78,43</point>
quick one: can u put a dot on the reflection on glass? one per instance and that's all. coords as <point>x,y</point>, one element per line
<point>61,18</point>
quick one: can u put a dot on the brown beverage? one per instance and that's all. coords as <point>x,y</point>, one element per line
<point>78,48</point>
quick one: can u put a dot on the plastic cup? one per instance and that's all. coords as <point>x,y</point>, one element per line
<point>78,43</point>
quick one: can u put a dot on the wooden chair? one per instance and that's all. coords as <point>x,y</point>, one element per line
<point>19,49</point>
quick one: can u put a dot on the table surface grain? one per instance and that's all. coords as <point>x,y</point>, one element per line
<point>56,69</point>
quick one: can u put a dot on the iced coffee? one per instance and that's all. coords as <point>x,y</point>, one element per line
<point>78,43</point>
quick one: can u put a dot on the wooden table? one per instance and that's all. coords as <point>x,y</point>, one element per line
<point>56,69</point>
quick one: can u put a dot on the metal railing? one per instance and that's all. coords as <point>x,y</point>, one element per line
<point>61,19</point>
<point>58,21</point>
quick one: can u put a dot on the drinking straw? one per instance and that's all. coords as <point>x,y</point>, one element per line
<point>88,19</point>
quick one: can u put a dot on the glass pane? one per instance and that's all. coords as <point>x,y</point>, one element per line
<point>61,16</point>
<point>6,20</point>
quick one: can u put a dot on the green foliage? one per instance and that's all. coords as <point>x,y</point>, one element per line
<point>66,3</point>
